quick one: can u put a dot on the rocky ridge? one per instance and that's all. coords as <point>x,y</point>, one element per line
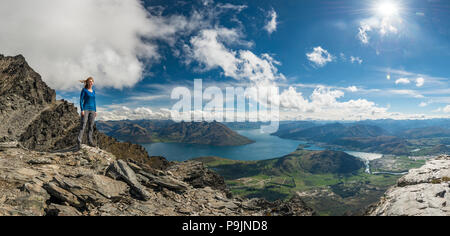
<point>93,182</point>
<point>422,192</point>
<point>30,113</point>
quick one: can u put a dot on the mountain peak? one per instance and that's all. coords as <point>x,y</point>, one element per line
<point>20,80</point>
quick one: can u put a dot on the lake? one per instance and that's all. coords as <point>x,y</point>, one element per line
<point>265,147</point>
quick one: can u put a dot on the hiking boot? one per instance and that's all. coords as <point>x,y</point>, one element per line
<point>78,145</point>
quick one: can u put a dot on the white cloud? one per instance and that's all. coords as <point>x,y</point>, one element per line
<point>423,104</point>
<point>207,2</point>
<point>66,41</point>
<point>230,6</point>
<point>362,34</point>
<point>272,24</point>
<point>402,81</point>
<point>429,79</point>
<point>148,97</point>
<point>382,25</point>
<point>353,89</point>
<point>351,59</point>
<point>323,104</point>
<point>124,113</point>
<point>356,59</point>
<point>420,82</point>
<point>320,57</point>
<point>446,109</point>
<point>209,49</point>
<point>410,93</point>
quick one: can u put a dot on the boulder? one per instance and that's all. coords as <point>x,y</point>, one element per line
<point>120,170</point>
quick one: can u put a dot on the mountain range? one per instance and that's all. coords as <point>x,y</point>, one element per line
<point>398,139</point>
<point>150,131</point>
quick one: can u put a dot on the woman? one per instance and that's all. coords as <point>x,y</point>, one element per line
<point>88,110</point>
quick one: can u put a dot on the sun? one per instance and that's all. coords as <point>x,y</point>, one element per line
<point>387,9</point>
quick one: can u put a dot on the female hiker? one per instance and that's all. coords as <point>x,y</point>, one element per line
<point>88,111</point>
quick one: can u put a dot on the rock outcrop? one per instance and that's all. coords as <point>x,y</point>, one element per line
<point>93,182</point>
<point>30,113</point>
<point>422,192</point>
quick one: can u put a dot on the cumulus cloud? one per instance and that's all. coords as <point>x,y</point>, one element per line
<point>402,81</point>
<point>208,48</point>
<point>272,24</point>
<point>420,82</point>
<point>324,104</point>
<point>66,41</point>
<point>320,57</point>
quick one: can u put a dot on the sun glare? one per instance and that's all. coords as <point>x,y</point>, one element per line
<point>387,9</point>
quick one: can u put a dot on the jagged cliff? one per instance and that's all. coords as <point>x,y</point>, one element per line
<point>41,175</point>
<point>422,192</point>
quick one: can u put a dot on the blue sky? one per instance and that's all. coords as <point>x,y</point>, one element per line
<point>332,60</point>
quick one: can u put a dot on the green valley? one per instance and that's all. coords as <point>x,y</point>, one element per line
<point>331,182</point>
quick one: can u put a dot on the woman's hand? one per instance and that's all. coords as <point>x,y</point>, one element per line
<point>95,114</point>
<point>82,113</point>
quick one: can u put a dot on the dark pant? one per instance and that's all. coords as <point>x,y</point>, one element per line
<point>88,118</point>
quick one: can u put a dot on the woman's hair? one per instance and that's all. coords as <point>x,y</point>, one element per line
<point>86,81</point>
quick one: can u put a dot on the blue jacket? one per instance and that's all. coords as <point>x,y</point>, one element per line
<point>87,100</point>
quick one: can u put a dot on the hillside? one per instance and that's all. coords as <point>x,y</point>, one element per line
<point>300,161</point>
<point>332,183</point>
<point>360,137</point>
<point>150,131</point>
<point>426,132</point>
<point>330,132</point>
